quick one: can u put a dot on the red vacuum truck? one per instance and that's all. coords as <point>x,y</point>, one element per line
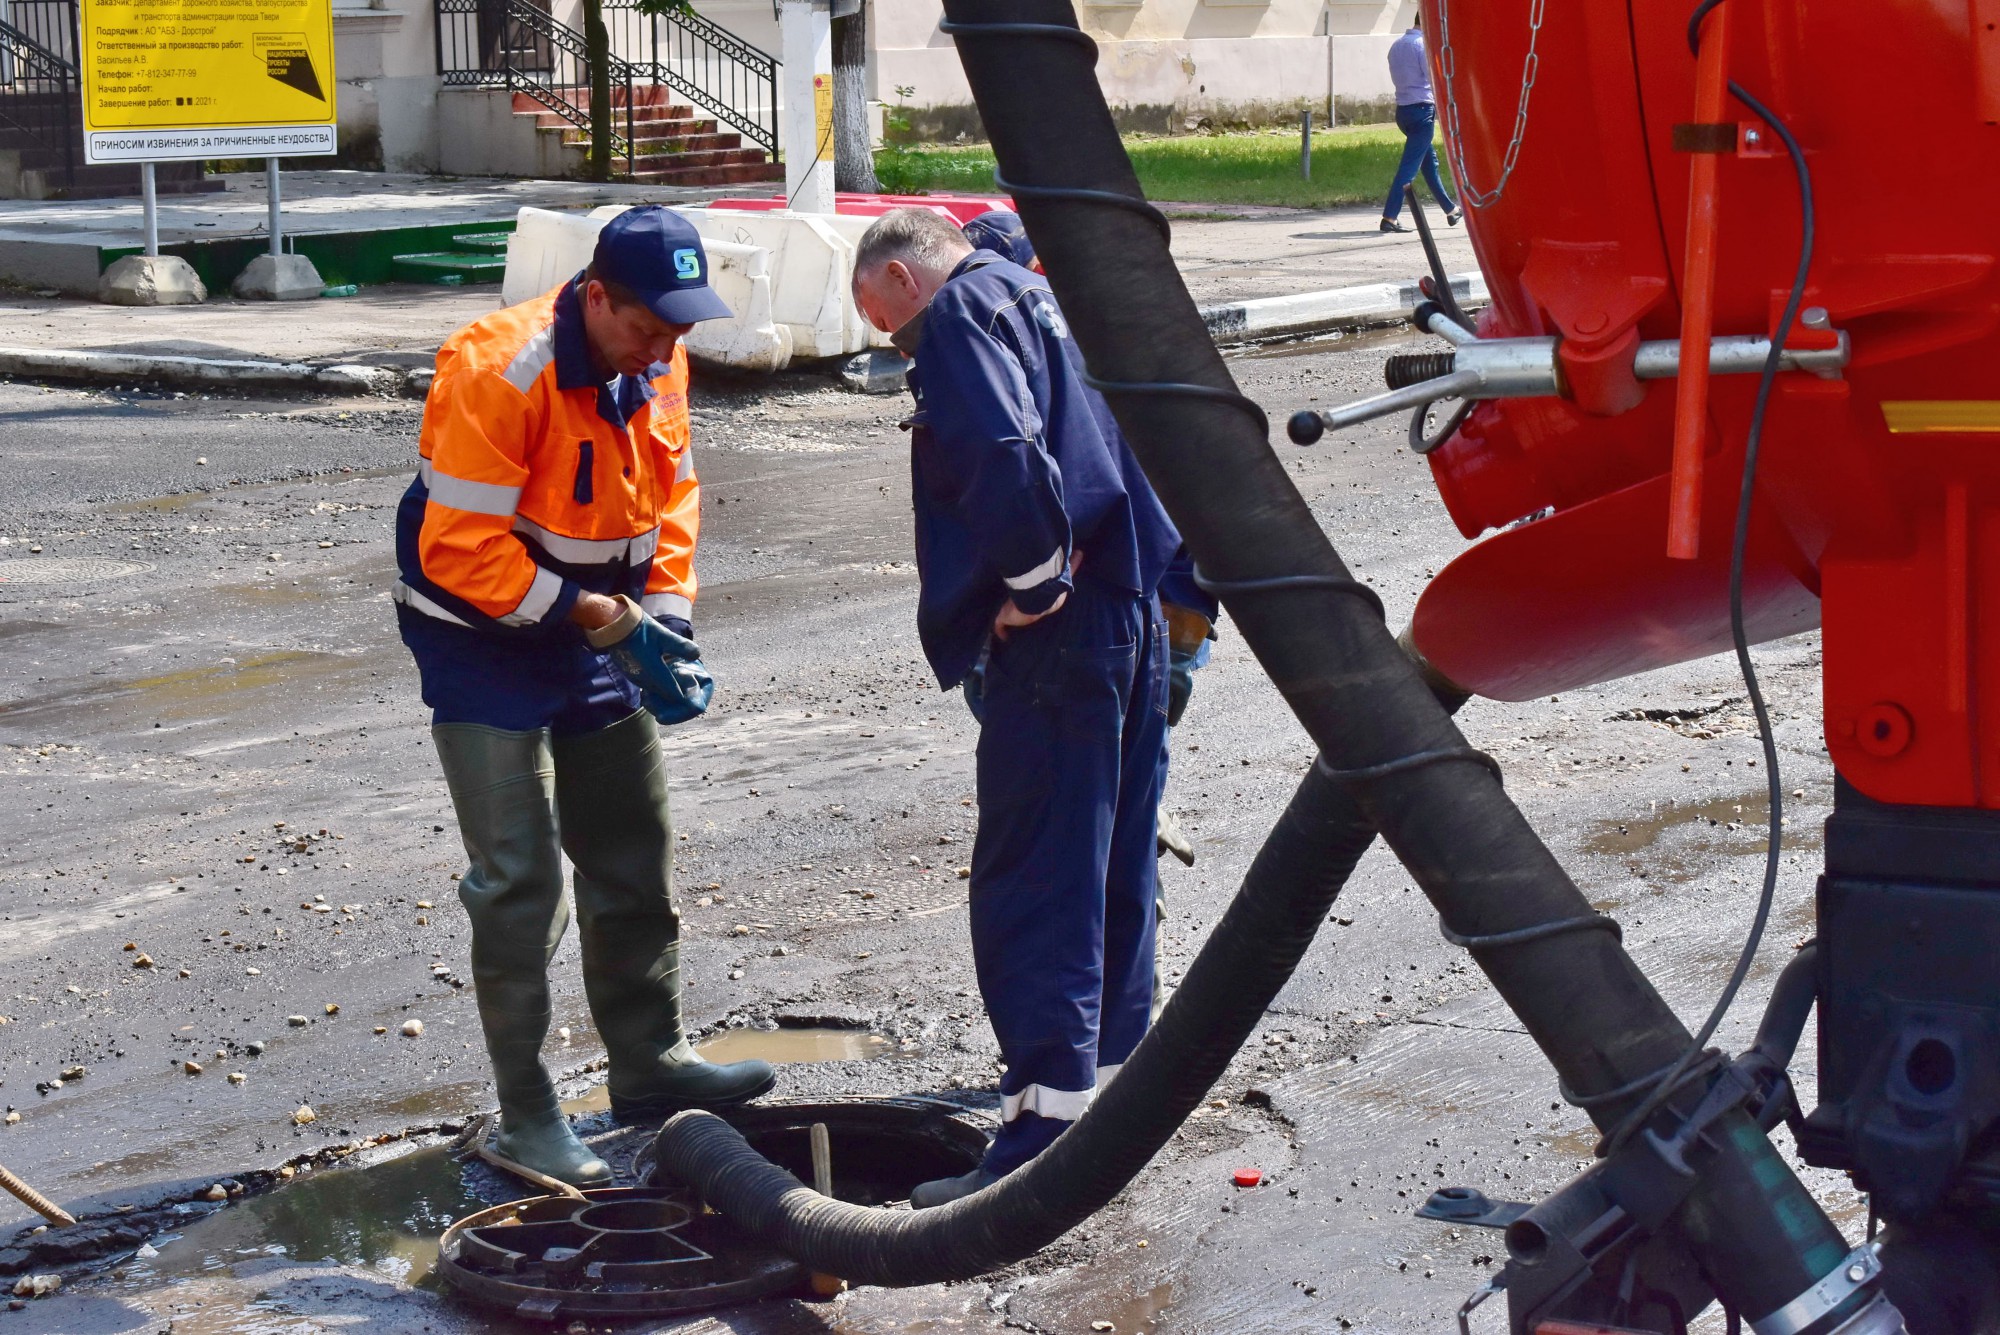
<point>1739,378</point>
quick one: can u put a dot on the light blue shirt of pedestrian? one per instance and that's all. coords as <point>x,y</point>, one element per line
<point>1410,70</point>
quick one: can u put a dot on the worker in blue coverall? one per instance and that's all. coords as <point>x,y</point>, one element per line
<point>1041,545</point>
<point>1190,612</point>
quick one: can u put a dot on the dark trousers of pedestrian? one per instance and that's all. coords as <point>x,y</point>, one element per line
<point>1418,122</point>
<point>1070,771</point>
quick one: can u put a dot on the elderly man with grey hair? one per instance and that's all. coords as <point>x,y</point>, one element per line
<point>1040,548</point>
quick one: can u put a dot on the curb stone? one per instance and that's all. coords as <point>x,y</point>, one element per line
<point>1322,312</point>
<point>210,372</point>
<point>1290,316</point>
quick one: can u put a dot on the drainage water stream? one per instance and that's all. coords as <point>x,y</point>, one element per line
<point>387,1216</point>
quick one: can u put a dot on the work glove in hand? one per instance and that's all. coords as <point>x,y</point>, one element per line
<point>975,693</point>
<point>1180,684</point>
<point>974,686</point>
<point>1188,634</point>
<point>673,684</point>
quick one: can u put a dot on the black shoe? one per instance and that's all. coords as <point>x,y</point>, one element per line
<point>1455,217</point>
<point>1391,225</point>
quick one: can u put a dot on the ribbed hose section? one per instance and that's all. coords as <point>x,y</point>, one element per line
<point>1250,955</point>
<point>1404,369</point>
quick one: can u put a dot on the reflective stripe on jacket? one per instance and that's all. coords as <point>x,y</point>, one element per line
<point>536,481</point>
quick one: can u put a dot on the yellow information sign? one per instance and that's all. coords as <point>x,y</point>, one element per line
<point>174,79</point>
<point>823,116</point>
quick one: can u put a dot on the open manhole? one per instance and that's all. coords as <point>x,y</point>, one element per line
<point>653,1250</point>
<point>66,569</point>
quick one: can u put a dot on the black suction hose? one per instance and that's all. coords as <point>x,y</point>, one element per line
<point>1247,958</point>
<point>1757,1233</point>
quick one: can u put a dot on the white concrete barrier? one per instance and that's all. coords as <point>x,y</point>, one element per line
<point>548,248</point>
<point>812,272</point>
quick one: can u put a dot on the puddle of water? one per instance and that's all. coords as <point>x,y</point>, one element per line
<point>797,1045</point>
<point>194,691</point>
<point>1580,1144</point>
<point>1135,1315</point>
<point>385,1217</point>
<point>1637,834</point>
<point>159,504</point>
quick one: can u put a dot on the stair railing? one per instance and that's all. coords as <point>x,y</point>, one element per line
<point>703,62</point>
<point>520,46</point>
<point>41,97</point>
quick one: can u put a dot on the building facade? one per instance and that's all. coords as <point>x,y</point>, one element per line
<point>1167,66</point>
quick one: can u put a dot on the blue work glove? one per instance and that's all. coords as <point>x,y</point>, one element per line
<point>673,683</point>
<point>1180,684</point>
<point>1189,635</point>
<point>974,686</point>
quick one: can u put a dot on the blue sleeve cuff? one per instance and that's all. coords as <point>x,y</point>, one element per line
<point>678,625</point>
<point>1043,596</point>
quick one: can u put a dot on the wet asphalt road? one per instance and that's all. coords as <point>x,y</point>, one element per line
<point>214,758</point>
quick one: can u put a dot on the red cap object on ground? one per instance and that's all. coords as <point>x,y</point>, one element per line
<point>1247,1177</point>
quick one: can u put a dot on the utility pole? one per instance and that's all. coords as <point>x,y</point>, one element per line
<point>806,34</point>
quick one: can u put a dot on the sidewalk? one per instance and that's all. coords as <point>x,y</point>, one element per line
<point>64,244</point>
<point>1253,254</point>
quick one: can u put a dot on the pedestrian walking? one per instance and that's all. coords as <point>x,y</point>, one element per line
<point>1416,117</point>
<point>1040,546</point>
<point>546,552</point>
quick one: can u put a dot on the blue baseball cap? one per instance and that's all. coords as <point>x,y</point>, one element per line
<point>657,254</point>
<point>1001,232</point>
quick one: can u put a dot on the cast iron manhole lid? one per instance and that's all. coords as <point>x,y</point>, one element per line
<point>66,570</point>
<point>617,1251</point>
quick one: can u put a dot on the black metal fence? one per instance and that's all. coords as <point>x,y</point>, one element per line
<point>703,62</point>
<point>48,24</point>
<point>518,45</point>
<point>40,102</point>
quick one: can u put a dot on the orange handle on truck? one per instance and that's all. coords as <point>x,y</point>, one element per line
<point>1697,303</point>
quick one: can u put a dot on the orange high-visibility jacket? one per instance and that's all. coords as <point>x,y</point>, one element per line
<point>538,481</point>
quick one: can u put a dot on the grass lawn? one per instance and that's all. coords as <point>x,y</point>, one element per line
<point>1349,166</point>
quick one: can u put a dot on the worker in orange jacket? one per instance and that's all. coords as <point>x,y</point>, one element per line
<point>546,552</point>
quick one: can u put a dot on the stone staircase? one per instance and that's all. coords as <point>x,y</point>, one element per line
<point>673,143</point>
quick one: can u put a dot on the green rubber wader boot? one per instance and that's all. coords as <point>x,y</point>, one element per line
<point>611,791</point>
<point>502,788</point>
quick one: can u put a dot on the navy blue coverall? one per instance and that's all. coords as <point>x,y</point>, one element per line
<point>1018,468</point>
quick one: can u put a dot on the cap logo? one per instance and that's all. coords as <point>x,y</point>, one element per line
<point>687,265</point>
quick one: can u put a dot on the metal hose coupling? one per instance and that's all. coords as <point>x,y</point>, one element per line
<point>1856,1280</point>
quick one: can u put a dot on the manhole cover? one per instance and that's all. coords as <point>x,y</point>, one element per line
<point>66,570</point>
<point>651,1250</point>
<point>619,1251</point>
